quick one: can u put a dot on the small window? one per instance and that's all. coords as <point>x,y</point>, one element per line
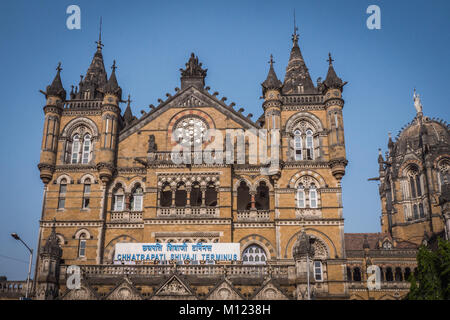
<point>62,194</point>
<point>118,202</point>
<point>300,196</point>
<point>318,271</point>
<point>75,149</point>
<point>309,145</point>
<point>86,193</point>
<point>136,200</point>
<point>312,196</point>
<point>86,149</point>
<point>82,246</point>
<point>254,254</point>
<point>298,145</point>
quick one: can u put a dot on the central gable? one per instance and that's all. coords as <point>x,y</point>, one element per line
<point>188,98</point>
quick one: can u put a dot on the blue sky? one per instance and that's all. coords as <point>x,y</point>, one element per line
<point>151,40</point>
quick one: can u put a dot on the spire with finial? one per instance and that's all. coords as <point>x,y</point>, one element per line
<point>332,81</point>
<point>295,34</point>
<point>96,76</point>
<point>271,81</point>
<point>99,42</point>
<point>112,86</point>
<point>128,114</point>
<point>297,79</point>
<point>56,88</point>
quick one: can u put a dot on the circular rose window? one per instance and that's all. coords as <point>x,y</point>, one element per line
<point>190,131</point>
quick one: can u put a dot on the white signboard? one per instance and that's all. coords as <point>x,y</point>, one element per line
<point>127,253</point>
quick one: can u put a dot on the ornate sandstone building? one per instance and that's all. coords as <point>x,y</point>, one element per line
<point>109,178</point>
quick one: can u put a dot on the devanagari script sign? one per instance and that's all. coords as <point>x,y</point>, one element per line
<point>150,252</point>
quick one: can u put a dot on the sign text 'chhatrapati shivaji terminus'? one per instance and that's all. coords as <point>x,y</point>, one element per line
<point>194,200</point>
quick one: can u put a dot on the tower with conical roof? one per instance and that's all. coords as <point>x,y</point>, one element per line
<point>55,97</point>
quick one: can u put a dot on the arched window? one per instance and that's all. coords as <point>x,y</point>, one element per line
<point>86,149</point>
<point>180,195</point>
<point>119,198</point>
<point>419,187</point>
<point>356,274</point>
<point>137,198</point>
<point>318,272</point>
<point>254,254</point>
<point>86,193</point>
<point>243,196</point>
<point>389,274</point>
<point>416,214</point>
<point>262,196</point>
<point>211,195</point>
<point>165,198</point>
<point>195,195</point>
<point>309,145</point>
<point>298,145</point>
<point>62,193</point>
<point>312,196</point>
<point>349,274</point>
<point>413,186</point>
<point>300,196</point>
<point>75,149</point>
<point>398,274</point>
<point>421,212</point>
<point>82,245</point>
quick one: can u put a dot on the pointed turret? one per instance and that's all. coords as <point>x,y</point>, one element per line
<point>56,89</point>
<point>112,87</point>
<point>128,114</point>
<point>96,77</point>
<point>271,81</point>
<point>297,79</point>
<point>332,81</point>
<point>194,75</point>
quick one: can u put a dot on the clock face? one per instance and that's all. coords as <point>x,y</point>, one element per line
<point>190,131</point>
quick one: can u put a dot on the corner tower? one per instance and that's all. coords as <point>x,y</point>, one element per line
<point>413,179</point>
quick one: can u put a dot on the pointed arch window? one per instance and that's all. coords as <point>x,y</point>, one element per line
<point>86,149</point>
<point>298,145</point>
<point>86,193</point>
<point>309,145</point>
<point>421,212</point>
<point>119,198</point>
<point>75,149</point>
<point>312,196</point>
<point>243,196</point>
<point>62,194</point>
<point>300,196</point>
<point>165,199</point>
<point>82,246</point>
<point>137,198</point>
<point>211,195</point>
<point>180,195</point>
<point>254,254</point>
<point>195,197</point>
<point>416,214</point>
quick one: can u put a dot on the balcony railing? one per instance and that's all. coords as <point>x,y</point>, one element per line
<point>188,212</point>
<point>258,271</point>
<point>384,285</point>
<point>126,216</point>
<point>253,215</point>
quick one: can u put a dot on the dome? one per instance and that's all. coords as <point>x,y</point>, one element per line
<point>434,132</point>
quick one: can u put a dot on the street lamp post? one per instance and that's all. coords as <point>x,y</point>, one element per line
<point>16,237</point>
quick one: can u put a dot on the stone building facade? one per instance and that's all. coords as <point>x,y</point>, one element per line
<point>109,177</point>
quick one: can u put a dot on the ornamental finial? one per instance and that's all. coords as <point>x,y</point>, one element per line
<point>417,102</point>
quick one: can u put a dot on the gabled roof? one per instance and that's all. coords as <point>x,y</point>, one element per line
<point>190,97</point>
<point>214,293</point>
